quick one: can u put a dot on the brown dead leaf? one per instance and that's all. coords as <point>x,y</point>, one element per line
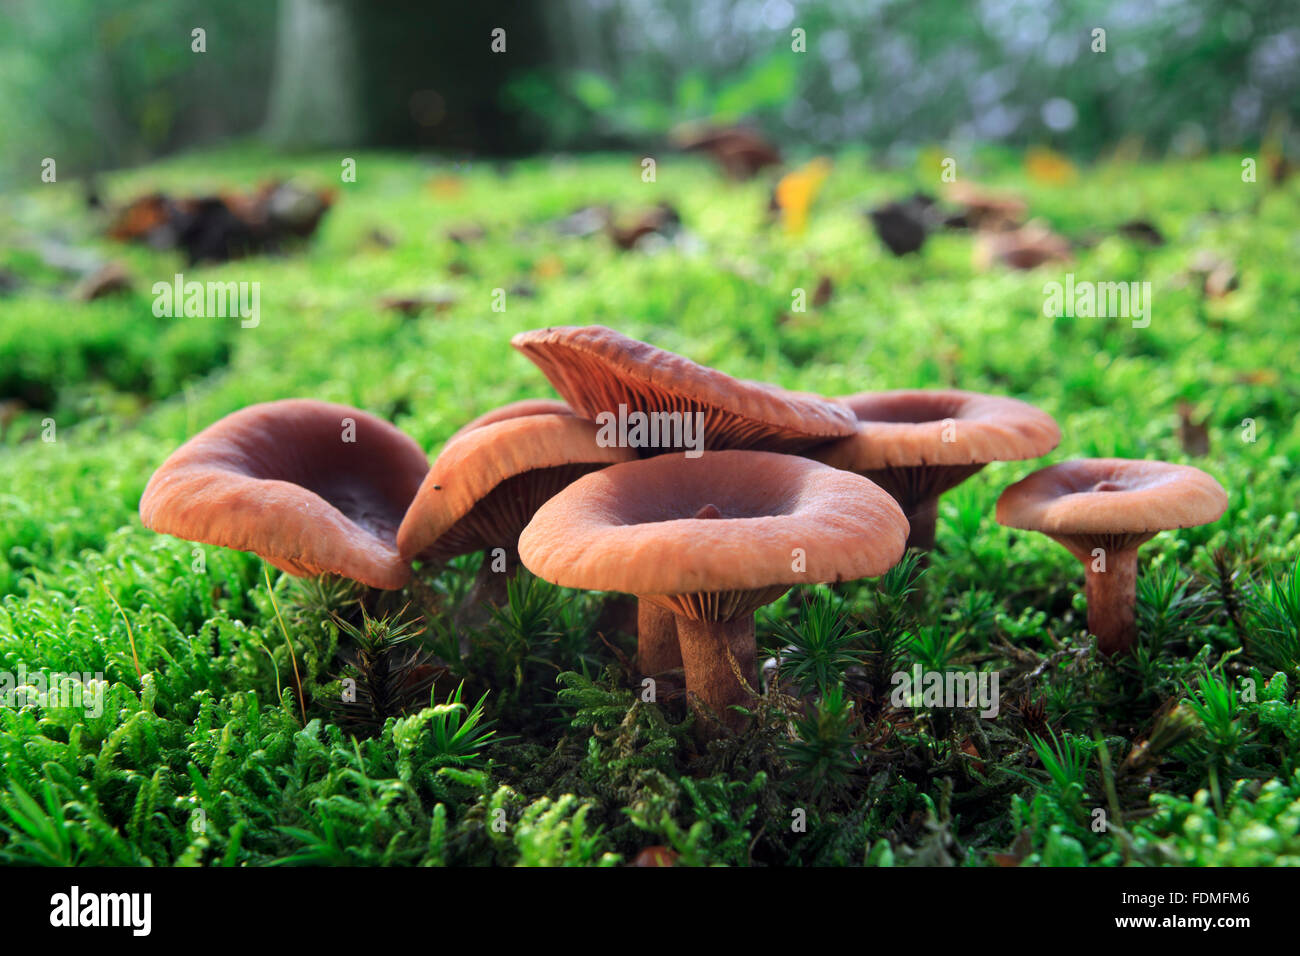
<point>740,152</point>
<point>109,280</point>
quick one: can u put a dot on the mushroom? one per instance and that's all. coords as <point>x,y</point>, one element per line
<point>710,540</point>
<point>487,483</point>
<point>597,370</point>
<point>1102,510</point>
<point>312,487</point>
<point>601,372</point>
<point>919,443</point>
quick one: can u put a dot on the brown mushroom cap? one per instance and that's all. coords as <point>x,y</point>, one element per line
<point>1111,496</point>
<point>488,482</point>
<point>646,528</point>
<point>278,479</point>
<point>597,369</point>
<point>520,409</point>
<point>907,428</point>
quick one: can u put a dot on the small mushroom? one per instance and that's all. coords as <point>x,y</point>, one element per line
<point>710,540</point>
<point>917,444</point>
<point>487,483</point>
<point>313,487</point>
<point>596,370</point>
<point>1102,510</point>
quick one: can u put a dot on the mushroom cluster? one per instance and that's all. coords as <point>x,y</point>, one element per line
<point>703,496</point>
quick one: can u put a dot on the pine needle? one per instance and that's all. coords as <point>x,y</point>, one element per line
<point>130,635</point>
<point>266,572</point>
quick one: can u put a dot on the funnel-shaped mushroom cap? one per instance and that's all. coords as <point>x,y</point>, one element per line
<point>911,428</point>
<point>521,409</point>
<point>596,370</point>
<point>488,482</point>
<point>1111,496</point>
<point>742,526</point>
<point>313,487</point>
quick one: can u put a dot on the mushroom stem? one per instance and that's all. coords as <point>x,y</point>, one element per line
<point>1112,596</point>
<point>488,591</point>
<point>709,674</point>
<point>921,519</point>
<point>657,650</point>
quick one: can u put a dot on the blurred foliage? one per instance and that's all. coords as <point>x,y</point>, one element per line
<point>103,83</point>
<point>1192,74</point>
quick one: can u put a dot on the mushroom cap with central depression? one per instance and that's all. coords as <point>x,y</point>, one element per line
<point>919,443</point>
<point>716,536</point>
<point>596,370</point>
<point>910,428</point>
<point>1096,498</point>
<point>312,487</point>
<point>489,481</point>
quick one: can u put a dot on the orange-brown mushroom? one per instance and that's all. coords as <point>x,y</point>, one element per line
<point>710,540</point>
<point>919,443</point>
<point>603,373</point>
<point>598,370</point>
<point>487,483</point>
<point>313,487</point>
<point>1102,510</point>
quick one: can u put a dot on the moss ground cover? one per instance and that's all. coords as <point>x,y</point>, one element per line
<point>535,748</point>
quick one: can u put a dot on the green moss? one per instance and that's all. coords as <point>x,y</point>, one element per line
<point>201,756</point>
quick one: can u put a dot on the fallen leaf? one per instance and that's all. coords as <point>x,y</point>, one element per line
<point>1028,247</point>
<point>1142,230</point>
<point>410,304</point>
<point>663,220</point>
<point>985,210</point>
<point>108,280</point>
<point>466,233</point>
<point>583,222</point>
<point>822,294</point>
<point>446,187</point>
<point>742,153</point>
<point>903,225</point>
<point>548,267</point>
<point>797,191</point>
<point>1048,166</point>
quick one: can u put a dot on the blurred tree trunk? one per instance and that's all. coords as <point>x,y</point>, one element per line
<point>404,73</point>
<point>314,90</point>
